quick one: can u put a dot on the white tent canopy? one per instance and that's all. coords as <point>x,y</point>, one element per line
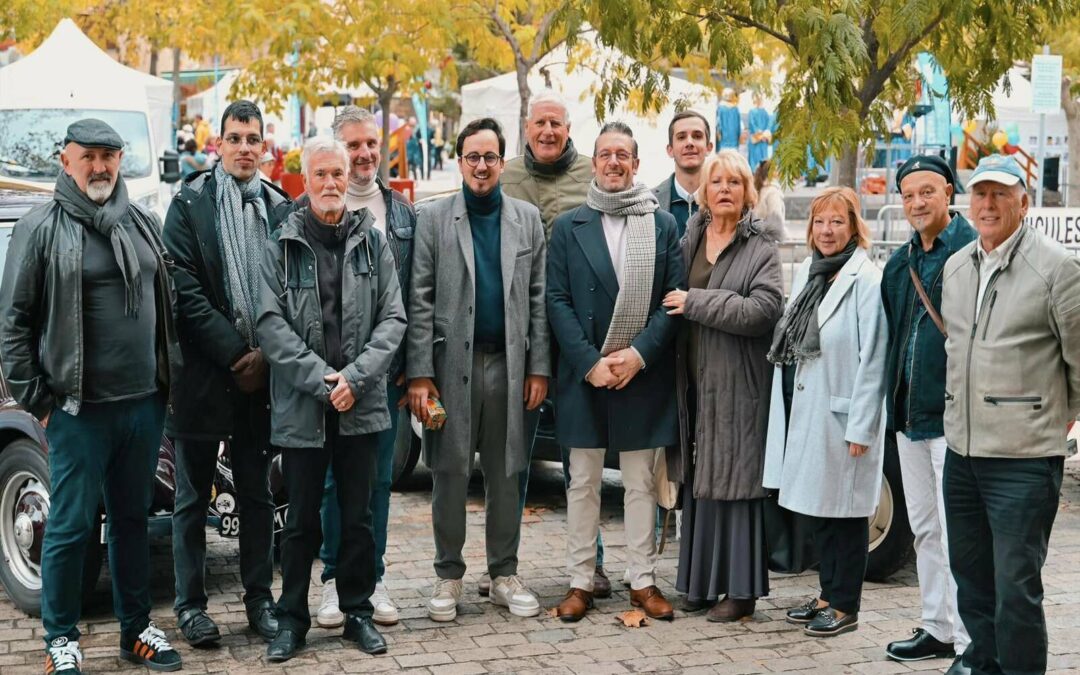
<point>69,66</point>
<point>497,97</point>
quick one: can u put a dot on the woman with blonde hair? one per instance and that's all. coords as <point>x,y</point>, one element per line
<point>734,298</point>
<point>826,421</point>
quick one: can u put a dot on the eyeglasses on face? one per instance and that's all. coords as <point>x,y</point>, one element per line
<point>621,155</point>
<point>237,139</point>
<point>490,158</point>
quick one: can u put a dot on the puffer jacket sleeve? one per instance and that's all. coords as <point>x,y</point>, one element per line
<point>389,329</point>
<point>290,357</point>
<point>21,295</point>
<point>752,315</point>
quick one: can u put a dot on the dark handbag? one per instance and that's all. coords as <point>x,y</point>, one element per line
<point>789,537</point>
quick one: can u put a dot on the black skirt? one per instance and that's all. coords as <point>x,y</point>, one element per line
<point>722,551</point>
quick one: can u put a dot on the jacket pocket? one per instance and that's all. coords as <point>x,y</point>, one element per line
<point>1034,401</point>
<point>839,404</point>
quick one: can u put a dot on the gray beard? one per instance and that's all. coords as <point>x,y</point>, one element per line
<point>100,191</point>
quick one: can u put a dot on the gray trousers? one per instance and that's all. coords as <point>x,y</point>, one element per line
<point>502,519</point>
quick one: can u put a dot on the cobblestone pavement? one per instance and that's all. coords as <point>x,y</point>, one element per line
<point>486,638</point>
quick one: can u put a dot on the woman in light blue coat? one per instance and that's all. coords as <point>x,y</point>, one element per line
<point>825,441</point>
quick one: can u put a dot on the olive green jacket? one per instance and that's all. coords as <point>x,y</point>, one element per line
<point>551,194</point>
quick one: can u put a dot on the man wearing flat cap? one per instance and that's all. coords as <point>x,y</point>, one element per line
<point>1011,306</point>
<point>89,345</point>
<point>911,293</point>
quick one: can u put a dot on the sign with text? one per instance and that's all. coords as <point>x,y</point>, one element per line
<point>1061,225</point>
<point>1046,83</point>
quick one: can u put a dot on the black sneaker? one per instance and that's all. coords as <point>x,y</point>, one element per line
<point>151,649</point>
<point>921,646</point>
<point>804,613</point>
<point>62,657</point>
<point>826,623</point>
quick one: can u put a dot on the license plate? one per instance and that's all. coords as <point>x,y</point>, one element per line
<point>230,525</point>
<point>281,513</point>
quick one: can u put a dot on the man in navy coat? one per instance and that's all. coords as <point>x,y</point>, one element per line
<point>610,262</point>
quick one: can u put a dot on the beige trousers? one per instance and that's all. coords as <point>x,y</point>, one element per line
<point>583,515</point>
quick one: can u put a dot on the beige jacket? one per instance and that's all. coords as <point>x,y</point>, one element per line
<point>1013,375</point>
<point>551,194</point>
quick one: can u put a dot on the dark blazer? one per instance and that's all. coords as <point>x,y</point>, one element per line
<point>208,399</point>
<point>581,292</point>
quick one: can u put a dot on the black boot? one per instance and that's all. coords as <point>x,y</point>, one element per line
<point>362,631</point>
<point>261,619</point>
<point>284,646</point>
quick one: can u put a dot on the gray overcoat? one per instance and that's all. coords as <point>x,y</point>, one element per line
<point>839,398</point>
<point>736,313</point>
<point>440,333</point>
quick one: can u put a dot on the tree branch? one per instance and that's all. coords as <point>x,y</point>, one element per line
<point>542,33</point>
<point>747,22</point>
<point>508,33</point>
<point>875,80</point>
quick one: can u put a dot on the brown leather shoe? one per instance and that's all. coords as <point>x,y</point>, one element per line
<point>730,609</point>
<point>601,586</point>
<point>653,602</point>
<point>574,606</point>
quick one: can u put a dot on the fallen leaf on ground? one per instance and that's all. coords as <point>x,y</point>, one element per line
<point>553,613</point>
<point>634,618</point>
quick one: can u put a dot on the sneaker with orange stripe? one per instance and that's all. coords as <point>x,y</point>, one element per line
<point>151,649</point>
<point>62,657</point>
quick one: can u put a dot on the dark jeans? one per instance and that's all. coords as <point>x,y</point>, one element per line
<point>196,465</point>
<point>108,449</point>
<point>999,513</point>
<point>304,470</point>
<point>532,423</point>
<point>843,549</point>
<point>380,496</point>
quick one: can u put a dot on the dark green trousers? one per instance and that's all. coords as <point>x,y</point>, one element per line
<point>999,513</point>
<point>110,450</point>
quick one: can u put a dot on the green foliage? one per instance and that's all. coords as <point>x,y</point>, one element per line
<point>848,62</point>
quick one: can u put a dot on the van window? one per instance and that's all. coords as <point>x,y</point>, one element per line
<point>30,141</point>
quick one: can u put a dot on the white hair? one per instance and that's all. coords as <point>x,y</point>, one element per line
<point>549,96</point>
<point>319,145</point>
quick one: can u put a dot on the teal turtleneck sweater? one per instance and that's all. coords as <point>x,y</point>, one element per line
<point>485,213</point>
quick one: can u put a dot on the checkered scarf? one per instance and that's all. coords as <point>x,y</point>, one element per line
<point>242,231</point>
<point>637,203</point>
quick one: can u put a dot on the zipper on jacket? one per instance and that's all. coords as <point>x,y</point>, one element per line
<point>989,311</point>
<point>971,346</point>
<point>1034,401</point>
<point>915,344</point>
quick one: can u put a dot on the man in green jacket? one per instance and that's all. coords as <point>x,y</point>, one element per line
<point>90,347</point>
<point>554,178</point>
<point>1011,305</point>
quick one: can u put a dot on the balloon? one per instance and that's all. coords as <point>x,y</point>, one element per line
<point>999,139</point>
<point>1010,149</point>
<point>1014,136</point>
<point>970,126</point>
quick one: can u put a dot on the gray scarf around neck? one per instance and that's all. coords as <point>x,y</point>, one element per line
<point>109,220</point>
<point>242,229</point>
<point>638,205</point>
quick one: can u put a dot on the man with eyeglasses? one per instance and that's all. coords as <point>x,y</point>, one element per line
<point>216,230</point>
<point>612,261</point>
<point>478,344</point>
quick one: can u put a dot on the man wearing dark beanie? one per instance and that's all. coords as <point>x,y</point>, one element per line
<point>911,292</point>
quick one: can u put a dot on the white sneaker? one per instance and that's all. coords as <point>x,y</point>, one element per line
<point>329,615</point>
<point>511,593</point>
<point>386,612</point>
<point>63,655</point>
<point>442,606</point>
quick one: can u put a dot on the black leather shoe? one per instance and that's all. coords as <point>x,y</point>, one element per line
<point>826,624</point>
<point>198,628</point>
<point>261,619</point>
<point>284,646</point>
<point>920,647</point>
<point>958,667</point>
<point>601,584</point>
<point>804,613</point>
<point>362,631</point>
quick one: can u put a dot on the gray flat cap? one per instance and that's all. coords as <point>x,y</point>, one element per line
<point>93,133</point>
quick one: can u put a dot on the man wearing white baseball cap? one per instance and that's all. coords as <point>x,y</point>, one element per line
<point>1011,307</point>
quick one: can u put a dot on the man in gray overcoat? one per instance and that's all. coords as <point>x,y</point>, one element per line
<point>478,342</point>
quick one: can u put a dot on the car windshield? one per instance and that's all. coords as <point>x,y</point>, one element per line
<point>30,141</point>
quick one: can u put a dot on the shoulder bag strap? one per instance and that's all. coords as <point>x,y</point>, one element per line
<point>917,283</point>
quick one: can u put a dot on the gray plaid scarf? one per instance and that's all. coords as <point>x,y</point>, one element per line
<point>242,231</point>
<point>637,203</point>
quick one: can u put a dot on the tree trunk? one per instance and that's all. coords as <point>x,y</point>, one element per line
<point>154,52</point>
<point>847,166</point>
<point>386,97</point>
<point>524,93</point>
<point>1072,117</point>
<point>177,55</point>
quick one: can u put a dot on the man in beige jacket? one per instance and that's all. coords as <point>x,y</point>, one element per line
<point>1011,305</point>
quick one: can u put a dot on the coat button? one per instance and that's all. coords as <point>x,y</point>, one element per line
<point>465,379</point>
<point>466,345</point>
<point>589,317</point>
<point>592,288</point>
<point>470,310</point>
<point>799,386</point>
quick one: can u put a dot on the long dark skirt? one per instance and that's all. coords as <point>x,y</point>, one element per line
<point>722,550</point>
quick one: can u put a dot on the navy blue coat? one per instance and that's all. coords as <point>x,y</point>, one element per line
<point>581,292</point>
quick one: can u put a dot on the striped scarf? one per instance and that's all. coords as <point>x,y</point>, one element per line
<point>242,230</point>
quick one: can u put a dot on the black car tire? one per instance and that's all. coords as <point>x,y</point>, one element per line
<point>407,447</point>
<point>23,457</point>
<point>891,540</point>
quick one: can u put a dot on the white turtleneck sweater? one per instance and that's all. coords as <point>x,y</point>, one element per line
<point>371,198</point>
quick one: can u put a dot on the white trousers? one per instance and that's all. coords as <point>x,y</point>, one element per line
<point>583,515</point>
<point>921,464</point>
